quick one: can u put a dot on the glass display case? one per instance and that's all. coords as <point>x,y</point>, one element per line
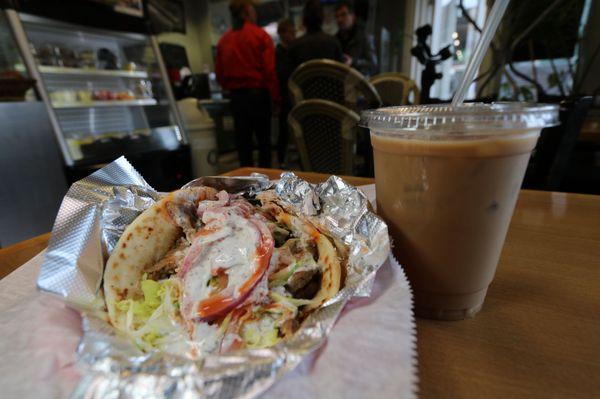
<point>15,83</point>
<point>105,90</point>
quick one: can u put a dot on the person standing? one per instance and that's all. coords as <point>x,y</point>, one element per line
<point>357,46</point>
<point>315,43</point>
<point>245,66</point>
<point>287,34</point>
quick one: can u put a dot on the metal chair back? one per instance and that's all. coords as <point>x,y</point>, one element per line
<point>325,134</point>
<point>331,80</point>
<point>395,88</point>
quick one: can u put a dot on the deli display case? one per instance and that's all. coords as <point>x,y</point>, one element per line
<point>15,82</point>
<point>106,93</point>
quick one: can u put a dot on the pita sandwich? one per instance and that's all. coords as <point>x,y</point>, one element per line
<point>204,272</point>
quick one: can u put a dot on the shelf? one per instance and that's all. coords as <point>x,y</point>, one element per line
<point>92,72</point>
<point>112,103</point>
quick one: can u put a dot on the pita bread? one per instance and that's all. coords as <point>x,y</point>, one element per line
<point>143,243</point>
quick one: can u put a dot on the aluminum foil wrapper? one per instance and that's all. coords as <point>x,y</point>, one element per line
<point>96,211</point>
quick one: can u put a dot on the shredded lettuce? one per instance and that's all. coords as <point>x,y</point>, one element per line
<point>145,307</point>
<point>264,331</point>
<point>225,324</point>
<point>150,321</point>
<point>288,300</point>
<point>260,334</point>
<point>281,277</point>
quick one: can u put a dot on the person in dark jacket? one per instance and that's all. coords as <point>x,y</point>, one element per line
<point>245,66</point>
<point>357,46</point>
<point>315,43</point>
<point>287,34</point>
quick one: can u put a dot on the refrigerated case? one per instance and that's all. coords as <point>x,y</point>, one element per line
<point>15,83</point>
<point>31,168</point>
<point>106,95</point>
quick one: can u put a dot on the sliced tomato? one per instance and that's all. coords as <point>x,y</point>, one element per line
<point>218,304</point>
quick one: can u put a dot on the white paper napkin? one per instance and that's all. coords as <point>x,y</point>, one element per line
<point>38,338</point>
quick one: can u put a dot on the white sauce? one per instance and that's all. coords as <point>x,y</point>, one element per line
<point>206,338</point>
<point>177,344</point>
<point>231,247</point>
<point>263,325</point>
<point>260,293</point>
<point>229,243</point>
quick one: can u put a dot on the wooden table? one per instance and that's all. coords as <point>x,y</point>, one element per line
<point>538,335</point>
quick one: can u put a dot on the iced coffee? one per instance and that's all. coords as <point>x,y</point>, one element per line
<point>447,181</point>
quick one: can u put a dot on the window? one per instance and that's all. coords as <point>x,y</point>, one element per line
<point>451,27</point>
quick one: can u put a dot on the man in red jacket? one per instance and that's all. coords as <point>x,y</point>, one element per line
<point>245,66</point>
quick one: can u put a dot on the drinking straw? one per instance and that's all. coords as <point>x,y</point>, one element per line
<point>491,24</point>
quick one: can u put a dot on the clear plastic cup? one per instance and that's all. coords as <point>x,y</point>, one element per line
<point>447,181</point>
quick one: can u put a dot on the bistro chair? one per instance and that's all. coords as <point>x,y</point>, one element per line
<point>325,134</point>
<point>331,80</point>
<point>395,88</point>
